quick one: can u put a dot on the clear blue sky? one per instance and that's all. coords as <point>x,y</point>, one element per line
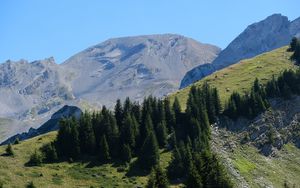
<point>36,29</point>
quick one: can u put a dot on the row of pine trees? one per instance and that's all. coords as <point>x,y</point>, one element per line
<point>143,131</point>
<point>251,104</point>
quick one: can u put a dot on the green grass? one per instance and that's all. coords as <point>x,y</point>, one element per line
<point>259,170</point>
<point>13,173</point>
<point>239,77</point>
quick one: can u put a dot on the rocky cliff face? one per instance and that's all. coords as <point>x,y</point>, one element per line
<point>273,32</point>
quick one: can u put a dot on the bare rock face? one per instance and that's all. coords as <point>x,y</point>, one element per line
<point>273,32</point>
<point>135,67</point>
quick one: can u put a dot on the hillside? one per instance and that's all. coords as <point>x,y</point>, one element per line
<point>13,173</point>
<point>240,76</point>
<point>273,32</point>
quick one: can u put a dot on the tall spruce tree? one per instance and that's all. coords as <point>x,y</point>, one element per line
<point>104,154</point>
<point>149,155</point>
<point>86,134</point>
<point>158,178</point>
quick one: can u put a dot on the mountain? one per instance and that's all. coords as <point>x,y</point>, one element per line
<point>135,67</point>
<point>29,93</point>
<point>132,67</point>
<point>273,32</point>
<point>51,125</point>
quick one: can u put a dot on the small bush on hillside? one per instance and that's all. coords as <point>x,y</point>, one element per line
<point>36,159</point>
<point>9,150</point>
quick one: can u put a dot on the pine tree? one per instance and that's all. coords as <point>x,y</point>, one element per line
<point>86,134</point>
<point>176,168</point>
<point>158,178</point>
<point>149,155</point>
<point>128,132</point>
<point>194,179</point>
<point>176,107</point>
<point>36,159</point>
<point>161,132</point>
<point>293,44</point>
<point>126,153</point>
<point>104,154</point>
<point>296,55</point>
<point>49,152</point>
<point>170,116</point>
<point>9,150</point>
<point>119,113</point>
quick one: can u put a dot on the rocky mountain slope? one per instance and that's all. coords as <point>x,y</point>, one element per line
<point>135,67</point>
<point>273,32</point>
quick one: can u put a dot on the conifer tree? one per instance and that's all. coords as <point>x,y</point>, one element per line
<point>293,44</point>
<point>128,132</point>
<point>158,178</point>
<point>194,179</point>
<point>126,153</point>
<point>170,116</point>
<point>149,155</point>
<point>176,107</point>
<point>86,134</point>
<point>104,154</point>
<point>161,132</point>
<point>9,150</point>
<point>119,113</point>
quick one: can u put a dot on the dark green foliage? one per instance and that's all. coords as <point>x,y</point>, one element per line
<point>126,153</point>
<point>295,48</point>
<point>248,105</point>
<point>161,132</point>
<point>87,135</point>
<point>176,107</point>
<point>149,155</point>
<point>17,141</point>
<point>49,152</point>
<point>67,141</point>
<point>104,154</point>
<point>36,159</point>
<point>134,130</point>
<point>158,178</point>
<point>9,150</point>
<point>128,134</point>
<point>194,179</point>
<point>30,185</point>
<point>293,44</point>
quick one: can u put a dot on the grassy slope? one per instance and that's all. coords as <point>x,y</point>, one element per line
<point>240,76</point>
<point>256,169</point>
<point>13,173</point>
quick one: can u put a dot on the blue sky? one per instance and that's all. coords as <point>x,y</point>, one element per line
<point>36,29</point>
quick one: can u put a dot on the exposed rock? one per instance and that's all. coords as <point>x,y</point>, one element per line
<point>135,67</point>
<point>273,32</point>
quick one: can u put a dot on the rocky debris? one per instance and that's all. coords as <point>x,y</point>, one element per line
<point>270,130</point>
<point>254,40</point>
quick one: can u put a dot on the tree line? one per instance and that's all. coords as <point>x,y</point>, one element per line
<point>142,131</point>
<point>251,104</point>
